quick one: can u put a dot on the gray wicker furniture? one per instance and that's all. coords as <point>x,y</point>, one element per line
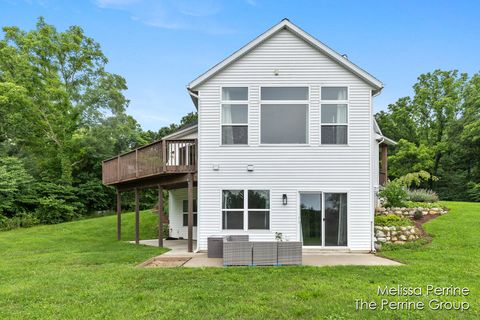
<point>289,253</point>
<point>264,253</point>
<point>215,246</point>
<point>237,251</point>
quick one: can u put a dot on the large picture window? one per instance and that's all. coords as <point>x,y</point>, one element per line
<point>234,115</point>
<point>232,209</point>
<point>284,115</point>
<point>334,115</point>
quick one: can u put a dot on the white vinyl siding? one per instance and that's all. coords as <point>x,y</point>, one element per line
<point>285,169</point>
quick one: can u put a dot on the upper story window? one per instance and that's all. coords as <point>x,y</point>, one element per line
<point>235,115</point>
<point>334,115</point>
<point>284,115</point>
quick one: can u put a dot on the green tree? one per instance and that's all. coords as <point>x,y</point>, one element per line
<point>61,81</point>
<point>409,157</point>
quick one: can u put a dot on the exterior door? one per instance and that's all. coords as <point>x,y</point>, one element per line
<point>323,219</point>
<point>311,218</point>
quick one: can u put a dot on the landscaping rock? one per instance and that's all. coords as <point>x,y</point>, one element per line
<point>403,238</point>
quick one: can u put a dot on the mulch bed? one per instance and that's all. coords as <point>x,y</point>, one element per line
<point>419,224</point>
<point>164,262</point>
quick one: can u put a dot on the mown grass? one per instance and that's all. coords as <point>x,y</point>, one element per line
<point>78,270</point>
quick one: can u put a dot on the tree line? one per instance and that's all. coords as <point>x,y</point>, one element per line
<point>438,131</point>
<point>61,114</point>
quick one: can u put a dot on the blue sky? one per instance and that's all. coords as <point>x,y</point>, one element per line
<point>160,46</point>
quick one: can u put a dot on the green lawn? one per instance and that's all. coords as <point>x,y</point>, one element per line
<point>78,270</point>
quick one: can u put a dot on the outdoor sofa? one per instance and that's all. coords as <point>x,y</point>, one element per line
<point>239,251</point>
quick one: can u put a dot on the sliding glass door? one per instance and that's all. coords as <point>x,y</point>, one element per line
<point>323,219</point>
<point>335,221</point>
<point>311,217</point>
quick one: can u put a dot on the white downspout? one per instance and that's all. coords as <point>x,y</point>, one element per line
<point>372,226</point>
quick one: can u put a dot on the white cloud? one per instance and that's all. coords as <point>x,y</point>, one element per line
<point>170,14</point>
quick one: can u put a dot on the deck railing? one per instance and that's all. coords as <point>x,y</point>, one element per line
<point>160,157</point>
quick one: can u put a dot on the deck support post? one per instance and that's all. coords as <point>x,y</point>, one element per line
<point>190,212</point>
<point>160,216</point>
<point>119,215</point>
<point>384,164</point>
<point>137,216</point>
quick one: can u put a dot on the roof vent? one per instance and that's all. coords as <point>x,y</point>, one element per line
<point>345,56</point>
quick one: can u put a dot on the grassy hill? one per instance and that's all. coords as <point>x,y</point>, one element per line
<point>78,270</point>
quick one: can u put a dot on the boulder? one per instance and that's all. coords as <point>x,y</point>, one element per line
<point>380,234</point>
<point>403,238</point>
<point>382,239</point>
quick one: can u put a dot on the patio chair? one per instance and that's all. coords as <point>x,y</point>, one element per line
<point>289,253</point>
<point>237,251</point>
<point>264,253</point>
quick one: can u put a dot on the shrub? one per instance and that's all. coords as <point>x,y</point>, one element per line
<point>411,204</point>
<point>23,220</point>
<point>394,194</point>
<point>473,191</point>
<point>422,195</point>
<point>417,215</point>
<point>392,220</point>
<point>52,210</point>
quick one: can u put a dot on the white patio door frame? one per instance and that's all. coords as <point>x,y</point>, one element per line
<point>322,203</point>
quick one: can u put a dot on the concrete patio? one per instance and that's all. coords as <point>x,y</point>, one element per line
<point>178,249</point>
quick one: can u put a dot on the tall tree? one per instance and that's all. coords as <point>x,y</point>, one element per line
<point>61,80</point>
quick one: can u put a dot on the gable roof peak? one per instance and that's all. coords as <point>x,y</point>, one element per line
<point>285,23</point>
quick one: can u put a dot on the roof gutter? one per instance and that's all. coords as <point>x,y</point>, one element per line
<point>193,96</point>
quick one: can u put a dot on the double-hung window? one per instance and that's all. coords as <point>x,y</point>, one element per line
<point>259,209</point>
<point>185,212</point>
<point>232,209</point>
<point>252,211</point>
<point>334,115</point>
<point>234,115</point>
<point>284,115</point>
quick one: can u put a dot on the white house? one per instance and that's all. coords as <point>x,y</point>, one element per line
<point>286,146</point>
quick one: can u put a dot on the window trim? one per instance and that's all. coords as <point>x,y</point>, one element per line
<point>347,124</point>
<point>235,102</point>
<point>270,102</point>
<point>245,210</point>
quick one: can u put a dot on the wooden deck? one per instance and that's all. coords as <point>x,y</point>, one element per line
<point>164,164</point>
<point>164,158</point>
